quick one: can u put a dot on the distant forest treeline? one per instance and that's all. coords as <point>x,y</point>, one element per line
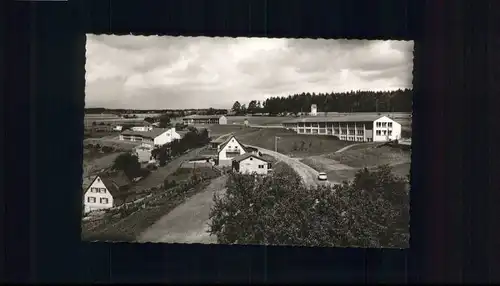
<point>353,101</point>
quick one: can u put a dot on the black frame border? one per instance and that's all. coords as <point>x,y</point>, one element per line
<point>45,91</point>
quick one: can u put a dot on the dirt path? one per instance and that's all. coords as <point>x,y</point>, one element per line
<point>187,223</point>
<point>348,147</point>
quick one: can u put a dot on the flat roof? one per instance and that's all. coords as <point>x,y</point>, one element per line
<point>149,134</point>
<point>244,156</point>
<point>343,118</point>
<point>196,116</point>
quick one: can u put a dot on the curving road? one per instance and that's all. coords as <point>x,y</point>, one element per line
<point>188,222</point>
<point>309,175</point>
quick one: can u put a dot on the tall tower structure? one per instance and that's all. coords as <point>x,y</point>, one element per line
<point>314,110</point>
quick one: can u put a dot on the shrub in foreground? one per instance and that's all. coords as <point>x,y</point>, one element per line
<point>369,211</point>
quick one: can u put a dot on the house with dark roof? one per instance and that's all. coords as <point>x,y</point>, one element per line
<point>229,149</point>
<point>249,163</point>
<point>204,119</point>
<point>352,127</point>
<point>251,150</point>
<point>214,144</point>
<point>155,137</point>
<point>103,191</point>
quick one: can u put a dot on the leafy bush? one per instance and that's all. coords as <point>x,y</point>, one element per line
<point>107,149</point>
<point>370,211</point>
<point>129,164</point>
<point>143,172</point>
<point>151,167</point>
<point>169,184</point>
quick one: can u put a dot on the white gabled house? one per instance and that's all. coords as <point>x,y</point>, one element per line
<point>97,196</point>
<point>101,192</point>
<point>249,163</point>
<point>229,149</point>
<point>155,137</point>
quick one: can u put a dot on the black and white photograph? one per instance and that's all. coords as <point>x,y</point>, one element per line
<point>249,141</point>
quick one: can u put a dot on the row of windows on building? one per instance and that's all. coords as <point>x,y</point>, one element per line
<point>101,200</point>
<point>383,124</point>
<point>357,139</point>
<point>137,138</point>
<point>352,125</point>
<point>98,190</point>
<point>203,121</point>
<point>329,131</point>
<point>342,132</point>
<point>383,132</point>
<point>323,125</point>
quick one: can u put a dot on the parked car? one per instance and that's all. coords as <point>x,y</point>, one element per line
<point>322,176</point>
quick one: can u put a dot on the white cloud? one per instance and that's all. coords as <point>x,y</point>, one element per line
<point>200,72</point>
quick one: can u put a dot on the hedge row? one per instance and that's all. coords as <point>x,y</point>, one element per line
<point>370,211</point>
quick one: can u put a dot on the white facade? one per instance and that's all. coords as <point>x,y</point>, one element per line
<point>97,197</point>
<point>355,128</point>
<point>386,129</point>
<point>144,153</point>
<point>229,150</point>
<point>253,165</point>
<point>141,128</point>
<point>314,110</point>
<point>150,138</point>
<point>222,120</point>
<point>202,119</point>
<point>166,137</point>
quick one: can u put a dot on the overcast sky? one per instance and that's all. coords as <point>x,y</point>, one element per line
<point>200,72</point>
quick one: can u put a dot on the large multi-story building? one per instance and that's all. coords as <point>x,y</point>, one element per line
<point>205,119</point>
<point>355,127</point>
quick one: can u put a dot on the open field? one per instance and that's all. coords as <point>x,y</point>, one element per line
<point>237,130</point>
<point>371,156</point>
<point>258,120</point>
<point>291,143</point>
<point>184,174</point>
<point>113,142</point>
<point>94,162</point>
<point>343,166</point>
<point>88,134</point>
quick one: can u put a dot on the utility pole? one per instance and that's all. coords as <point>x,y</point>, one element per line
<point>276,143</point>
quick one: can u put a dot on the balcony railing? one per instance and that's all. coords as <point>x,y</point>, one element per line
<point>231,154</point>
